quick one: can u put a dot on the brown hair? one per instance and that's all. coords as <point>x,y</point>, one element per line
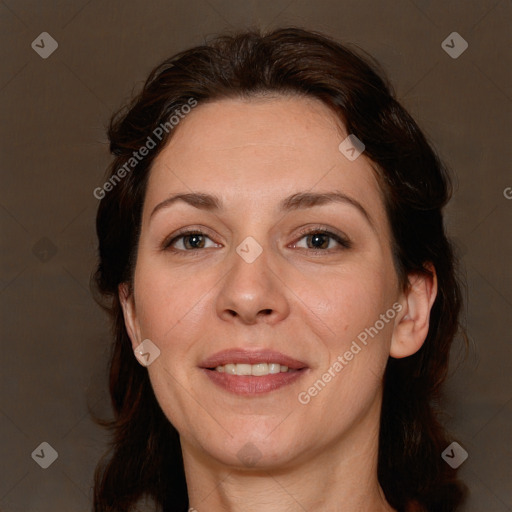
<point>145,456</point>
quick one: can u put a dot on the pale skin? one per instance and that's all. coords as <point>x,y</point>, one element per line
<point>204,297</point>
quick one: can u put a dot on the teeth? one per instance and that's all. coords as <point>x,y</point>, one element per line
<point>274,368</point>
<point>257,370</point>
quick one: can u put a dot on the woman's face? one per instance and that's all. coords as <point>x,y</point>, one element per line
<point>261,282</point>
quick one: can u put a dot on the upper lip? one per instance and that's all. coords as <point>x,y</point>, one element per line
<point>244,356</point>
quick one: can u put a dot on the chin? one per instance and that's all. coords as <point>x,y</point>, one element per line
<point>250,455</point>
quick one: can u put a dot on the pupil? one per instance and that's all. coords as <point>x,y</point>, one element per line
<point>195,239</point>
<point>316,238</point>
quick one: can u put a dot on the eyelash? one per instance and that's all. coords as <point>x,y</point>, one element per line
<point>344,242</point>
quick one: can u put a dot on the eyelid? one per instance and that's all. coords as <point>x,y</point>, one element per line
<point>190,230</point>
<point>339,237</point>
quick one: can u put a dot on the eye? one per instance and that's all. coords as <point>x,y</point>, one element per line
<point>323,240</point>
<point>318,240</point>
<point>188,241</point>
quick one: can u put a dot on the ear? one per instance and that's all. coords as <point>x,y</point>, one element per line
<point>412,323</point>
<point>130,316</point>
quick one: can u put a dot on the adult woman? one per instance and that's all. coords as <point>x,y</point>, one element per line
<point>281,376</point>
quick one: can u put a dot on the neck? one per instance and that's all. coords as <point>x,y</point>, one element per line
<point>341,477</point>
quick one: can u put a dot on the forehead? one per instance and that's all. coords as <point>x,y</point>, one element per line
<point>256,150</point>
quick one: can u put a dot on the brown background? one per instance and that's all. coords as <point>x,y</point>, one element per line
<point>55,338</point>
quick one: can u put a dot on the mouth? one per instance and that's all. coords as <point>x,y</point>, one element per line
<point>244,372</point>
<point>256,370</point>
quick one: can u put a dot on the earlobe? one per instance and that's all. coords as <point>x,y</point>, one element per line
<point>130,318</point>
<point>411,326</point>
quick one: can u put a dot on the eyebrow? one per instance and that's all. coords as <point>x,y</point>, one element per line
<point>297,201</point>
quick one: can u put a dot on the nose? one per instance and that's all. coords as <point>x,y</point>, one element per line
<point>252,292</point>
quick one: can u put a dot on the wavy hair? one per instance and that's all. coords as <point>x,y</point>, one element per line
<point>144,458</point>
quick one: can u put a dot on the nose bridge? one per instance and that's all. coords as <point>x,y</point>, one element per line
<point>250,271</point>
<point>251,286</point>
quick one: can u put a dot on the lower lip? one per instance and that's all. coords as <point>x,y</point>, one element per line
<point>248,385</point>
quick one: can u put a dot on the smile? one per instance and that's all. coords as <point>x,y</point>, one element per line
<point>257,370</point>
<point>252,372</point>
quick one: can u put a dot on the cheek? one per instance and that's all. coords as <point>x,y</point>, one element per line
<point>356,343</point>
<point>171,313</point>
<point>345,302</point>
<point>167,299</point>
